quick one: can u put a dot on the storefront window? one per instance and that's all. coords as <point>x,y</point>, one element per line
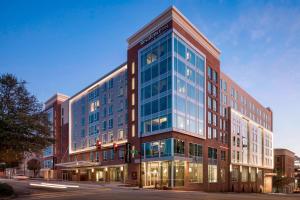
<point>212,173</point>
<point>178,173</point>
<point>235,174</point>
<point>253,175</point>
<point>196,172</point>
<point>244,174</point>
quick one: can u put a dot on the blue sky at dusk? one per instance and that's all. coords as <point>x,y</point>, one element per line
<point>62,46</point>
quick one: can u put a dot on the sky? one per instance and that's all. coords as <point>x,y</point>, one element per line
<point>63,46</point>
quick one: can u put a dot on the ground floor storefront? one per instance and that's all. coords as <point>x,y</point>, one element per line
<point>177,174</point>
<point>250,179</point>
<point>115,173</point>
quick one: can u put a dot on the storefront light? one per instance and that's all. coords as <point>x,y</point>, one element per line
<point>106,169</point>
<point>121,168</point>
<point>190,169</point>
<point>92,170</point>
<point>76,171</point>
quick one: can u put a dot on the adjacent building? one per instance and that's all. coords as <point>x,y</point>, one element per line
<point>284,167</point>
<point>168,118</point>
<point>53,154</point>
<point>297,173</point>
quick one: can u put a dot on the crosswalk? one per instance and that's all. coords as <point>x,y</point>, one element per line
<point>63,194</point>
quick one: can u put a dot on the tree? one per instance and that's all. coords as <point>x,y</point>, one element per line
<point>34,164</point>
<point>24,125</point>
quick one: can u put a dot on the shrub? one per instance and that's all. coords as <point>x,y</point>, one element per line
<point>6,190</point>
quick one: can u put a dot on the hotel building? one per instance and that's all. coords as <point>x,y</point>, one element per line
<point>52,154</point>
<point>159,120</point>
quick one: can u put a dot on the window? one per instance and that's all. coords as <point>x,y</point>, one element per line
<point>121,154</point>
<point>111,154</point>
<point>92,156</point>
<point>235,174</point>
<point>133,83</point>
<point>105,156</point>
<point>253,175</point>
<point>104,111</point>
<point>212,173</point>
<point>121,134</point>
<point>209,132</point>
<point>120,120</point>
<point>209,117</point>
<point>196,172</point>
<point>178,147</point>
<point>212,153</point>
<point>111,136</point>
<point>215,76</point>
<point>151,57</point>
<point>195,150</point>
<point>104,126</point>
<point>110,123</point>
<point>244,174</point>
<point>223,155</point>
<point>209,72</point>
<point>110,110</point>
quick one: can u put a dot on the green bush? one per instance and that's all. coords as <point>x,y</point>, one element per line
<point>6,190</point>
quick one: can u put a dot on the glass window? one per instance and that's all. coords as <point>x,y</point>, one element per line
<point>154,71</point>
<point>181,67</point>
<point>154,88</point>
<point>163,67</point>
<point>155,106</point>
<point>178,147</point>
<point>181,86</point>
<point>190,74</point>
<point>196,172</point>
<point>212,173</point>
<point>163,103</point>
<point>165,147</point>
<point>200,63</point>
<point>180,104</point>
<point>181,49</point>
<point>244,174</point>
<point>163,85</point>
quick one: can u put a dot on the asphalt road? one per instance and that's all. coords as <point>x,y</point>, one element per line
<point>113,192</point>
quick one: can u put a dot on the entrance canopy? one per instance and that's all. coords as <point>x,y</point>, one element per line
<point>77,164</point>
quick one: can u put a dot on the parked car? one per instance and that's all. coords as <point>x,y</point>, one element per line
<point>20,177</point>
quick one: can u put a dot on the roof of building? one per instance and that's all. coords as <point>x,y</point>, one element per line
<point>92,85</point>
<point>172,13</point>
<point>282,151</point>
<point>56,97</point>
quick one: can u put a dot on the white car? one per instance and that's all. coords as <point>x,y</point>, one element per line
<point>20,177</point>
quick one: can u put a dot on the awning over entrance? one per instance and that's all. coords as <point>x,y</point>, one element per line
<point>77,164</point>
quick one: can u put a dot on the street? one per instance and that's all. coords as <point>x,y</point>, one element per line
<point>61,190</point>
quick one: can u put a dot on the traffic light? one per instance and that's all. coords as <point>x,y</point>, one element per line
<point>98,144</point>
<point>115,147</point>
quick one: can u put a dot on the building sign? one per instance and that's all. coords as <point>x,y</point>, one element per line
<point>155,34</point>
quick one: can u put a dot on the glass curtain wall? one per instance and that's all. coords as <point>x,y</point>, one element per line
<point>161,67</point>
